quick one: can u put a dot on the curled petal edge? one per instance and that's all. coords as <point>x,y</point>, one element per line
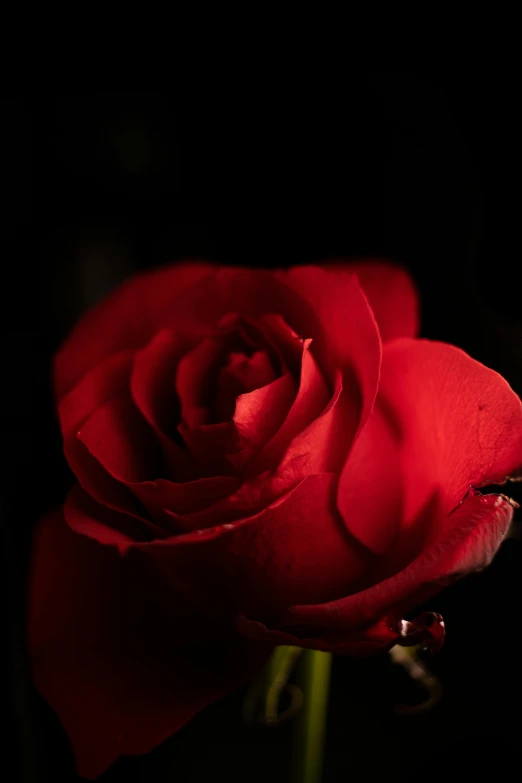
<point>372,621</point>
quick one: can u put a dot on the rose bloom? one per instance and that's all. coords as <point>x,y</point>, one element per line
<point>263,457</point>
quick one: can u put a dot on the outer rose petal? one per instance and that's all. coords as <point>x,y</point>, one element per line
<point>346,338</point>
<point>97,388</point>
<point>181,297</point>
<point>295,547</point>
<point>370,620</point>
<point>391,294</point>
<point>191,296</point>
<point>371,484</point>
<point>106,381</point>
<point>123,664</point>
<point>459,423</point>
<point>291,551</point>
<point>128,318</point>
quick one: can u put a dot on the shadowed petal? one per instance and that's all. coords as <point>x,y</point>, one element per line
<point>123,664</point>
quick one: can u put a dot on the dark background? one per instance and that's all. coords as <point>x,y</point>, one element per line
<point>421,170</point>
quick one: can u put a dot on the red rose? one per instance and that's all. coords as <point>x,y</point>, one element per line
<point>261,457</point>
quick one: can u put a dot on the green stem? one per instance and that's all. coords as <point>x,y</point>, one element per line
<point>279,670</point>
<point>310,722</point>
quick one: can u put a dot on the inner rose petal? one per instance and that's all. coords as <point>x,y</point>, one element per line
<point>195,381</point>
<point>234,359</point>
<point>311,400</point>
<point>122,441</point>
<point>187,498</point>
<point>153,369</point>
<point>240,375</point>
<point>257,417</point>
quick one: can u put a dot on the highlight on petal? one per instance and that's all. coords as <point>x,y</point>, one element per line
<point>241,374</point>
<point>458,422</point>
<point>259,414</point>
<point>311,400</point>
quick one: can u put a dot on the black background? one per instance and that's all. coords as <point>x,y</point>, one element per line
<point>422,170</point>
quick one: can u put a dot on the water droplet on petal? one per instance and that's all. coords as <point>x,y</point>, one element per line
<point>426,629</point>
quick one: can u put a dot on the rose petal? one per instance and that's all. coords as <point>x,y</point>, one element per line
<point>471,537</point>
<point>152,389</point>
<point>311,400</point>
<point>251,497</point>
<point>107,380</point>
<point>241,374</point>
<point>285,340</point>
<point>294,549</point>
<point>391,294</point>
<point>346,338</point>
<point>322,446</point>
<point>210,446</point>
<point>182,297</point>
<point>127,319</point>
<point>459,422</point>
<point>260,413</point>
<point>257,416</point>
<point>187,296</point>
<point>100,385</point>
<point>121,440</point>
<point>123,664</point>
<point>196,377</point>
<point>95,479</point>
<point>371,484</point>
<point>107,525</point>
<point>373,640</point>
<point>427,628</point>
<point>296,546</point>
<point>188,498</point>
